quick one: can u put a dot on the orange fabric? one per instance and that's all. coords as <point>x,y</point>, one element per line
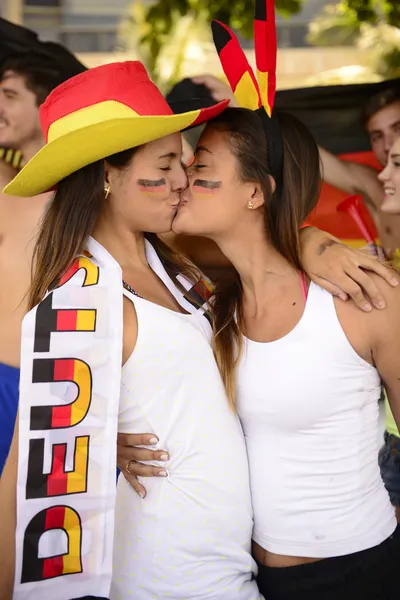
<point>325,215</point>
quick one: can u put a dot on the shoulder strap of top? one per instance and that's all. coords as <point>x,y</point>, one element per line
<point>304,286</point>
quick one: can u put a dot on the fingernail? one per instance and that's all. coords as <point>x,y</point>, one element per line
<point>153,440</point>
<point>162,473</point>
<point>141,495</point>
<point>394,281</point>
<point>367,307</point>
<point>381,304</point>
<point>164,457</point>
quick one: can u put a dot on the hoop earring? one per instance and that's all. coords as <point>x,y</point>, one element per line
<point>107,191</point>
<point>250,205</point>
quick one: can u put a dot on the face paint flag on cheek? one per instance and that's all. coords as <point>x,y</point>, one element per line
<point>204,186</point>
<point>152,186</point>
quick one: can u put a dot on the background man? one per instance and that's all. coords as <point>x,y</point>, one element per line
<point>382,123</point>
<point>25,81</point>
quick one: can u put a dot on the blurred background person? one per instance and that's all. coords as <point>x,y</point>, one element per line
<point>28,73</point>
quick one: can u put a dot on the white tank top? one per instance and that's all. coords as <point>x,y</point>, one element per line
<point>308,404</point>
<point>190,537</point>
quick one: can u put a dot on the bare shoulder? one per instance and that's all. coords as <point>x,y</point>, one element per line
<point>366,331</point>
<point>391,294</point>
<point>387,317</point>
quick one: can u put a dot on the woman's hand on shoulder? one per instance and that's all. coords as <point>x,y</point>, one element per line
<point>343,271</point>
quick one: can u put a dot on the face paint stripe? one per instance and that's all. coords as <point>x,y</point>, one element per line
<point>150,186</point>
<point>155,190</point>
<point>151,182</point>
<point>205,184</point>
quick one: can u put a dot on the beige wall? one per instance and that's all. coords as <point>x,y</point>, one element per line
<point>11,10</point>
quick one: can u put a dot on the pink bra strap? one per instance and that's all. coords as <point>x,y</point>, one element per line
<point>304,286</point>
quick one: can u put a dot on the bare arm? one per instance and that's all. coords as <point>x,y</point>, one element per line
<point>343,271</point>
<point>219,89</point>
<point>386,347</point>
<point>8,507</point>
<point>351,177</point>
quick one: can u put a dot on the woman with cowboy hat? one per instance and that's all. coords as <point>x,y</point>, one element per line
<point>119,296</point>
<point>106,294</point>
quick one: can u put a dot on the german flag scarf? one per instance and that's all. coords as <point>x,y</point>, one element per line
<point>69,401</point>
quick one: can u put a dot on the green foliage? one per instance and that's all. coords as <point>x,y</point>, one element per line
<point>383,44</point>
<point>372,11</point>
<point>336,25</point>
<point>151,30</point>
<point>367,24</point>
<point>238,14</point>
<point>149,27</point>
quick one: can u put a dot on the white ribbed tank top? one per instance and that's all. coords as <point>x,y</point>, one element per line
<point>190,537</point>
<point>308,404</point>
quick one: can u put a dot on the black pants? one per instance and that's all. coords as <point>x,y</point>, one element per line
<point>372,574</point>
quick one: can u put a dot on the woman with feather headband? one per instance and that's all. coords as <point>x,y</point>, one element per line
<point>302,370</point>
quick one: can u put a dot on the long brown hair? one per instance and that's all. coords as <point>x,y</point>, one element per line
<point>69,221</point>
<point>283,214</point>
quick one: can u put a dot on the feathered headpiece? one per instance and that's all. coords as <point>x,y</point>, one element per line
<point>255,91</point>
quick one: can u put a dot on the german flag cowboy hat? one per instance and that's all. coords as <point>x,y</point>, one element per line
<point>98,113</point>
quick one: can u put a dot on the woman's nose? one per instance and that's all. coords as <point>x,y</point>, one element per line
<point>384,175</point>
<point>181,181</point>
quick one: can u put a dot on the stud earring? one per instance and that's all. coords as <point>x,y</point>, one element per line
<point>250,205</point>
<point>107,191</point>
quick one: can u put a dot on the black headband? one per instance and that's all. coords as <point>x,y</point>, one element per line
<point>273,134</point>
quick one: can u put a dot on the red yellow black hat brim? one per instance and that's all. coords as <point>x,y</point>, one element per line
<point>98,113</point>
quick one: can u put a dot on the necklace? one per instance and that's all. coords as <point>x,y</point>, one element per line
<point>131,290</point>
